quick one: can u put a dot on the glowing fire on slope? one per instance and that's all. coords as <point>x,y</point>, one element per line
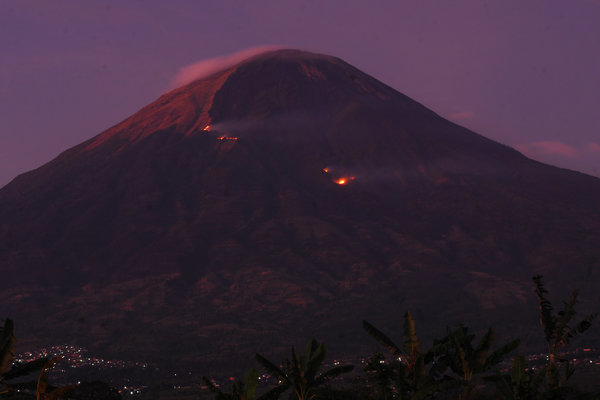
<point>227,138</point>
<point>206,128</point>
<point>344,180</point>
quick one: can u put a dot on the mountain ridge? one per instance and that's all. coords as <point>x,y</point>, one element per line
<point>218,211</point>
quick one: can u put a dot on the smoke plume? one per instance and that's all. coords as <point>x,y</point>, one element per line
<point>204,68</point>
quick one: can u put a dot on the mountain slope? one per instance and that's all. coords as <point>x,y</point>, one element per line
<point>217,212</point>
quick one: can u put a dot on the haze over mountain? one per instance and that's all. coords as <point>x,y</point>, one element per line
<point>287,196</point>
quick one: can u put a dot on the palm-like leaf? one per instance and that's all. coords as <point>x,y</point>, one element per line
<point>583,325</point>
<point>270,367</point>
<point>518,370</point>
<point>480,355</point>
<point>301,372</point>
<point>521,383</point>
<point>564,317</point>
<point>411,340</point>
<point>211,385</point>
<point>461,356</point>
<point>558,332</point>
<point>42,386</point>
<point>241,390</point>
<point>498,355</point>
<point>44,365</point>
<point>456,351</point>
<point>332,374</point>
<point>7,345</point>
<point>30,386</point>
<point>314,356</point>
<point>384,374</point>
<point>547,319</point>
<point>250,383</point>
<point>382,339</point>
<point>25,369</point>
<point>578,328</point>
<point>408,374</point>
<point>295,370</point>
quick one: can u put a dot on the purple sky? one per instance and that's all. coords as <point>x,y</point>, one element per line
<point>524,73</point>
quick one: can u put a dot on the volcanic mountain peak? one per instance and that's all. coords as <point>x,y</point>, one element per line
<point>340,194</point>
<point>266,85</point>
<point>296,97</point>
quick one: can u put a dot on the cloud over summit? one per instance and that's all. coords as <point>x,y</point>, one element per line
<point>202,69</point>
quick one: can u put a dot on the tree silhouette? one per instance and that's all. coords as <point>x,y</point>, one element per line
<point>300,373</point>
<point>241,390</point>
<point>407,372</point>
<point>558,331</point>
<point>9,372</point>
<point>466,360</point>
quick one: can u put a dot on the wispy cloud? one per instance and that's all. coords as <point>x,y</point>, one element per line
<point>204,68</point>
<point>593,147</point>
<point>548,148</point>
<point>584,157</point>
<point>461,115</point>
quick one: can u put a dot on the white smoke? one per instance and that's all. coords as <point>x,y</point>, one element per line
<point>204,68</point>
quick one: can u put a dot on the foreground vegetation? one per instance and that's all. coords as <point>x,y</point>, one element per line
<point>456,366</point>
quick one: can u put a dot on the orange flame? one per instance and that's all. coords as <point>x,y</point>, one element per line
<point>344,180</point>
<point>325,169</point>
<point>206,128</point>
<point>227,138</point>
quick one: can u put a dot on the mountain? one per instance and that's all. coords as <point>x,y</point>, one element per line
<point>285,197</point>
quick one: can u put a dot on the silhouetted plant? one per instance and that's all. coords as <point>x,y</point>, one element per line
<point>300,373</point>
<point>240,390</point>
<point>522,383</point>
<point>384,374</point>
<point>558,331</point>
<point>466,360</point>
<point>9,372</point>
<point>406,375</point>
<point>7,352</point>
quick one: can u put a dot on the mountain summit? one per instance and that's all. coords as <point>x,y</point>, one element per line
<point>288,196</point>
